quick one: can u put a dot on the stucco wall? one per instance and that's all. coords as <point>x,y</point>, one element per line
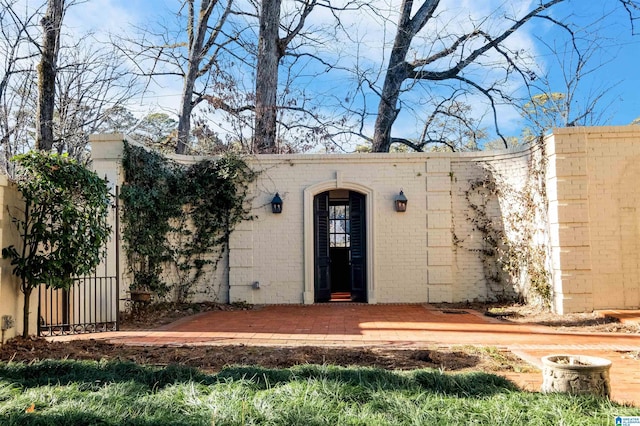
<point>594,200</point>
<point>11,299</point>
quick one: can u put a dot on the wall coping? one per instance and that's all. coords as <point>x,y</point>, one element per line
<point>370,158</point>
<point>373,158</point>
<point>610,131</point>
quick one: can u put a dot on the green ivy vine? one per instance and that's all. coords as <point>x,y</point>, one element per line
<point>178,218</point>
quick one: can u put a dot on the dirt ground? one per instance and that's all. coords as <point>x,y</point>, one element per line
<point>215,358</point>
<point>583,322</point>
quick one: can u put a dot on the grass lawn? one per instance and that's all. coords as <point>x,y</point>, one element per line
<point>122,393</point>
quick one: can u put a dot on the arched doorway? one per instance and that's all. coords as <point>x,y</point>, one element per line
<point>340,246</point>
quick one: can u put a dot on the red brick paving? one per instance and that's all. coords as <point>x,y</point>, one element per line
<point>395,326</point>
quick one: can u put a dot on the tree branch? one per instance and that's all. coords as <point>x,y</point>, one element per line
<point>493,43</point>
<point>487,93</point>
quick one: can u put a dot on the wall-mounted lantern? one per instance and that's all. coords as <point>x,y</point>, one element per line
<point>276,204</point>
<point>401,202</point>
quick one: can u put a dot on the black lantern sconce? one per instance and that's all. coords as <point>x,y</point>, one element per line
<point>276,204</point>
<point>401,202</point>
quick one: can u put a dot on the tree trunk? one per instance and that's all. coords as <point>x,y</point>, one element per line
<point>387,108</point>
<point>264,138</point>
<point>397,72</point>
<point>197,32</point>
<point>25,311</point>
<point>51,22</point>
<point>186,106</point>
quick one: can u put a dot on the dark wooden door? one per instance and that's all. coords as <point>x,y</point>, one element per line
<point>321,248</point>
<point>358,247</point>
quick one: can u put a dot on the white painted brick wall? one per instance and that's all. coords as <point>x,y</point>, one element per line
<point>594,217</point>
<point>509,169</point>
<point>594,220</point>
<point>400,242</point>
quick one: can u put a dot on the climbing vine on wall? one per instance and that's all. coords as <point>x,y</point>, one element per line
<point>178,218</point>
<point>514,249</point>
<point>480,196</point>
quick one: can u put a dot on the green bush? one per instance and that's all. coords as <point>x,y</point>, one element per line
<point>63,226</point>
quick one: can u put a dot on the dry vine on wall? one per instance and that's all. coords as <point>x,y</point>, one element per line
<point>515,250</point>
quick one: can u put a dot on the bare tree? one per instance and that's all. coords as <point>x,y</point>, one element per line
<point>17,32</point>
<point>450,127</point>
<point>450,55</point>
<point>202,40</point>
<point>271,48</point>
<point>195,59</point>
<point>633,8</point>
<point>269,53</point>
<point>277,40</point>
<point>47,69</point>
<point>92,82</point>
<point>567,104</point>
<point>16,119</point>
<point>235,57</point>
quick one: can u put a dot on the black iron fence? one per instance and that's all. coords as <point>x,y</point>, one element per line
<point>91,304</point>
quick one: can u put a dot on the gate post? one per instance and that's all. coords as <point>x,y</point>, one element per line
<point>107,151</point>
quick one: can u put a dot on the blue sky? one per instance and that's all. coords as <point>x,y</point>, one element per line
<point>616,64</point>
<point>619,56</point>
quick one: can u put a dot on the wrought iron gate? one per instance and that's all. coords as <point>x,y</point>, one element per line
<point>91,305</point>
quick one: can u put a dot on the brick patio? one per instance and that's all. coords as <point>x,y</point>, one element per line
<point>396,326</point>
